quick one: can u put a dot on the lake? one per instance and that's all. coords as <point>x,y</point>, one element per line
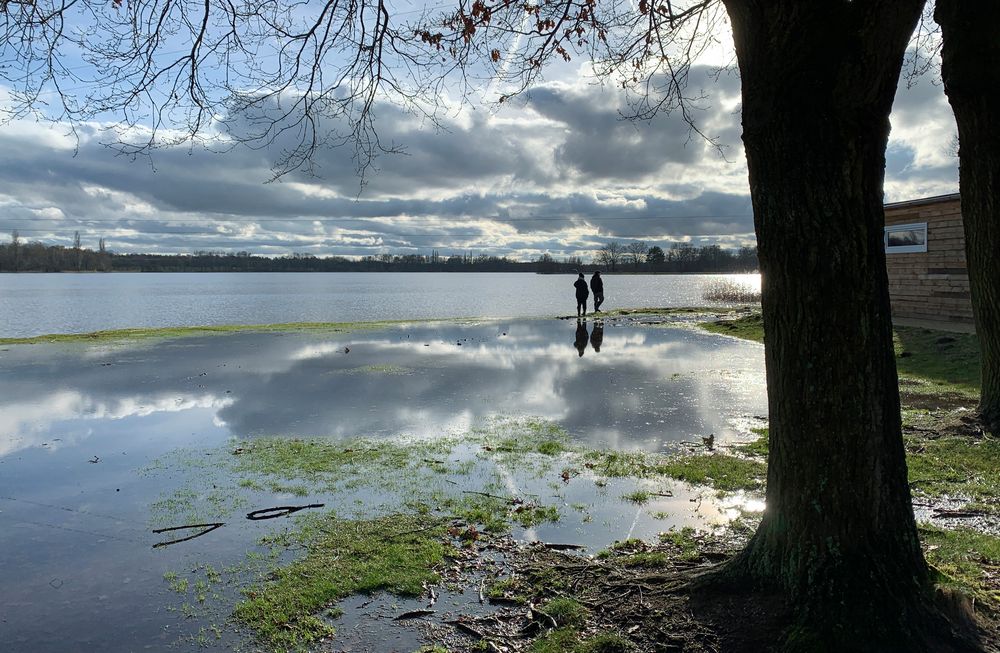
<point>102,442</point>
<point>36,304</point>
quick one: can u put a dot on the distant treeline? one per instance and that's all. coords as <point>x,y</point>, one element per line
<point>17,256</point>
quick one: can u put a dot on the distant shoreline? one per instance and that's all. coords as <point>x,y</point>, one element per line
<point>19,257</point>
<point>586,269</point>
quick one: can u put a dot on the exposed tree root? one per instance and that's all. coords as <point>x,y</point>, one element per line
<point>687,602</point>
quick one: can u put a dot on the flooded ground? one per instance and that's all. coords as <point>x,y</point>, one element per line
<point>100,444</point>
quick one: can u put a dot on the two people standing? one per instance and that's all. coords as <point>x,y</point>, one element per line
<point>583,293</point>
<point>596,336</point>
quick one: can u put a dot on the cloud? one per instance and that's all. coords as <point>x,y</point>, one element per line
<point>557,171</point>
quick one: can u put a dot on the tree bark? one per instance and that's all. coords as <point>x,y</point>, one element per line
<point>970,68</point>
<point>838,534</point>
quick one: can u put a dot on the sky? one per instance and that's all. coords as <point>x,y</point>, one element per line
<point>558,171</point>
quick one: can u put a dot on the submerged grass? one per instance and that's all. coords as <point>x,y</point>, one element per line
<point>721,471</point>
<point>112,335</point>
<point>398,554</point>
<point>758,447</point>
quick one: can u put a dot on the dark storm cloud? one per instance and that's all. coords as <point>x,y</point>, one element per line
<point>603,143</point>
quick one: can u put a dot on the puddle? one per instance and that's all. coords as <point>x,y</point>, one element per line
<point>79,422</point>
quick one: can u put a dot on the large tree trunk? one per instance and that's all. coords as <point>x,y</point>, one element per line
<point>838,534</point>
<point>971,72</point>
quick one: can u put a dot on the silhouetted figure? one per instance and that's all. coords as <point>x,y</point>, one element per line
<point>597,286</point>
<point>581,336</point>
<point>597,335</point>
<point>581,296</point>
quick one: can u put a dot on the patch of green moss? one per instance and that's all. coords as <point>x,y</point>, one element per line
<point>963,558</point>
<point>397,554</point>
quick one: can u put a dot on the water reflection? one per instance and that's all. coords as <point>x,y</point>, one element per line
<point>581,337</point>
<point>76,422</point>
<point>647,386</point>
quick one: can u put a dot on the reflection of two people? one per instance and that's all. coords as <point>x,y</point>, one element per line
<point>596,337</point>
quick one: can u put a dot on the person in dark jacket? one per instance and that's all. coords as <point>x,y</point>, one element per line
<point>581,295</point>
<point>597,286</point>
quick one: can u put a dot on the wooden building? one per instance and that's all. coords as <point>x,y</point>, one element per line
<point>925,258</point>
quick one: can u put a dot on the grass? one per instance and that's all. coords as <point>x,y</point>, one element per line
<point>565,611</point>
<point>950,361</point>
<point>963,558</point>
<point>385,369</point>
<point>639,496</point>
<point>112,335</point>
<point>397,554</point>
<point>747,327</point>
<point>758,447</point>
<point>568,640</point>
<point>947,361</point>
<point>954,466</point>
<point>682,542</point>
<point>509,589</point>
<point>721,471</point>
<point>522,436</point>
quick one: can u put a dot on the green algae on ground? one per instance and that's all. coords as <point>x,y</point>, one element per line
<point>399,554</point>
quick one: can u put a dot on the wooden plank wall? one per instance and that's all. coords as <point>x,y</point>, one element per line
<point>932,285</point>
